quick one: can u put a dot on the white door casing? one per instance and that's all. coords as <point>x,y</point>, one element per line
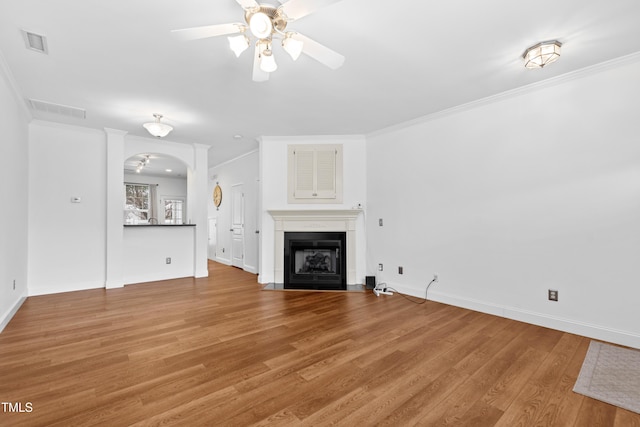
<point>237,226</point>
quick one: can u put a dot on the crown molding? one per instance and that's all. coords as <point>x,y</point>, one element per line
<point>547,83</point>
<point>226,162</point>
<point>301,139</point>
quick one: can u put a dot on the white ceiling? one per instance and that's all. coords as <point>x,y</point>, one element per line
<point>404,59</point>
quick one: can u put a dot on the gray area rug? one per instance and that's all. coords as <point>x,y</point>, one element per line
<point>611,374</point>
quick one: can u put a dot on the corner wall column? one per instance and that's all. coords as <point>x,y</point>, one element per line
<point>115,197</point>
<point>197,198</point>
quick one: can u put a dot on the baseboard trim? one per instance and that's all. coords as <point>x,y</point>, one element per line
<point>202,273</point>
<point>58,289</point>
<point>250,269</point>
<point>145,278</point>
<point>12,312</point>
<point>572,326</point>
<point>223,261</point>
<point>247,268</point>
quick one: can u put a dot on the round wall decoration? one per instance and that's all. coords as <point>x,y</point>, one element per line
<point>217,196</point>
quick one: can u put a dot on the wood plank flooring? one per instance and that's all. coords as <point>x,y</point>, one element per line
<point>222,352</point>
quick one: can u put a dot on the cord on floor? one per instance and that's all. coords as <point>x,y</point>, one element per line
<point>406,297</point>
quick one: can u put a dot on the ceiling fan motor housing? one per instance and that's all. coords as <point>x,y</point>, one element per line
<point>276,15</point>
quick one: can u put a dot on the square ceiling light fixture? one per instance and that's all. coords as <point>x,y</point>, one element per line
<point>542,54</point>
<point>35,41</point>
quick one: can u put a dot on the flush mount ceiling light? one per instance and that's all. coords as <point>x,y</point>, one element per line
<point>156,128</point>
<point>266,22</point>
<point>542,54</point>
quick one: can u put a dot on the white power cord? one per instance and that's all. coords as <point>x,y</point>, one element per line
<point>381,291</point>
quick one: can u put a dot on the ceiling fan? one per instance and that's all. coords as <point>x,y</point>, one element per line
<point>266,23</point>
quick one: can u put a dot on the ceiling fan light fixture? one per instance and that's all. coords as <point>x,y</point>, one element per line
<point>238,44</point>
<point>292,46</point>
<point>260,25</point>
<point>263,23</point>
<point>542,54</point>
<point>156,128</point>
<point>267,61</point>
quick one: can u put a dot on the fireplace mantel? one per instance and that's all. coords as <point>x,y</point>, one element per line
<point>321,214</point>
<point>315,220</point>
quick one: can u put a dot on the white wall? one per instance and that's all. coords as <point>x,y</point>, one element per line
<point>14,180</point>
<point>243,170</point>
<point>66,240</point>
<point>273,181</point>
<point>146,248</point>
<point>507,199</point>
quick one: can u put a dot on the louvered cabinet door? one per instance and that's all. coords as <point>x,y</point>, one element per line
<point>315,174</point>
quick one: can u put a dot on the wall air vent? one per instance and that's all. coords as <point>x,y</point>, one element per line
<point>63,110</point>
<point>35,41</point>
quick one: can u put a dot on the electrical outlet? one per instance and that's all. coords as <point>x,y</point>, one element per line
<point>435,277</point>
<point>168,260</point>
<point>553,295</point>
<point>380,222</point>
<point>380,268</point>
<point>400,270</point>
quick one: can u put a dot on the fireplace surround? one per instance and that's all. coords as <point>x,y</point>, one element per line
<point>319,220</point>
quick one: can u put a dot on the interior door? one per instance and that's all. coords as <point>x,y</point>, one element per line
<point>213,238</point>
<point>237,226</point>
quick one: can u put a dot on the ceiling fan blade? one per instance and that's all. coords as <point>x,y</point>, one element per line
<point>258,74</point>
<point>248,4</point>
<point>196,33</point>
<point>320,52</point>
<point>296,9</point>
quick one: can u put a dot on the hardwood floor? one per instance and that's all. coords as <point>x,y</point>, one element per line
<point>221,351</point>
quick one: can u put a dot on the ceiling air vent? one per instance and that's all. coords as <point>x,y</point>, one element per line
<point>35,41</point>
<point>63,110</point>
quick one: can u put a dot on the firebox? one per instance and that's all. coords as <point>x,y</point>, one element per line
<point>315,260</point>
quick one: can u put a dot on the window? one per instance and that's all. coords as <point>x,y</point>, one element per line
<point>315,173</point>
<point>173,211</point>
<point>137,203</point>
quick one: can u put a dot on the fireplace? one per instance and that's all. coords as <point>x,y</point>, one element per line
<point>310,221</point>
<point>315,260</point>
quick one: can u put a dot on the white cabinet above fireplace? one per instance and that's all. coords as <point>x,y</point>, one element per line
<point>315,173</point>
